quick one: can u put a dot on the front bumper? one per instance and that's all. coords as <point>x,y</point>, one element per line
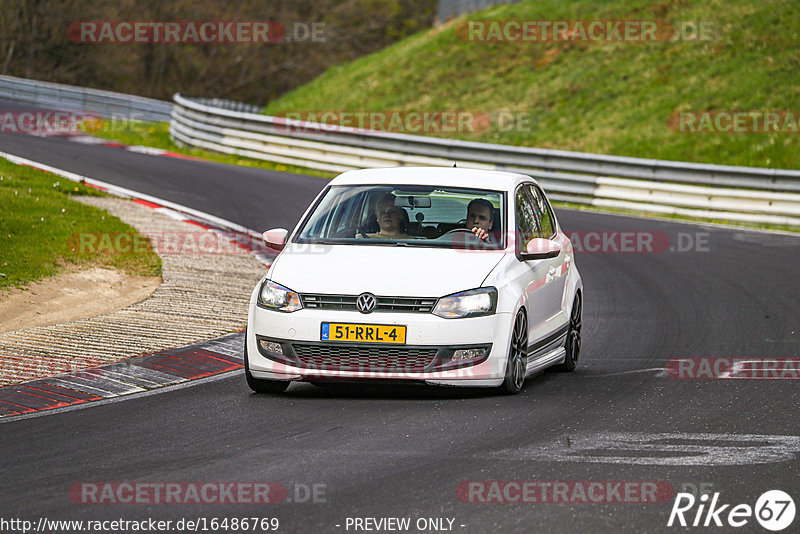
<point>430,343</point>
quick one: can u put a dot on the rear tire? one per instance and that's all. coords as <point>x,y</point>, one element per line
<point>573,342</point>
<point>517,361</point>
<point>260,385</point>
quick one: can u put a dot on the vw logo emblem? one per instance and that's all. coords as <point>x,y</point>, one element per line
<point>366,302</point>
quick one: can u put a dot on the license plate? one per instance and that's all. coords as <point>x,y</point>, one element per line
<point>363,333</point>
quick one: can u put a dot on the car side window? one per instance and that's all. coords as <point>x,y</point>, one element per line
<point>543,211</point>
<point>527,223</point>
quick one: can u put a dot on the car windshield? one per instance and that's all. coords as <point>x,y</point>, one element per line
<point>407,216</point>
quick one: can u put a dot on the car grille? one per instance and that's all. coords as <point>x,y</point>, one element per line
<point>364,358</point>
<point>384,304</point>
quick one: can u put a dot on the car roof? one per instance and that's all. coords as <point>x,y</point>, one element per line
<point>444,176</point>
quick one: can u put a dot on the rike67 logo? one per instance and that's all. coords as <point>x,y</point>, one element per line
<point>774,510</point>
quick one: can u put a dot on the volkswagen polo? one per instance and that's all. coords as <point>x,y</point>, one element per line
<point>437,275</point>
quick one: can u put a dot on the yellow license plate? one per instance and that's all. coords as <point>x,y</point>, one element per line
<point>363,333</point>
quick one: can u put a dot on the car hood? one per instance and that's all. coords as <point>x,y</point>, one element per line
<point>382,270</point>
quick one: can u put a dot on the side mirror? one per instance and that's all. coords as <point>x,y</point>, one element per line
<point>539,249</point>
<point>275,238</point>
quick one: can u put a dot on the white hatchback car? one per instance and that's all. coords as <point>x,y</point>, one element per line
<point>440,275</point>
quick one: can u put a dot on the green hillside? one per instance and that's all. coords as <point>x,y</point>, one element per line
<point>601,97</point>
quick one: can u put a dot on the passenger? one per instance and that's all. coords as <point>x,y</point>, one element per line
<point>390,219</point>
<point>479,218</point>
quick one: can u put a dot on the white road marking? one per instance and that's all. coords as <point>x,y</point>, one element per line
<point>150,151</point>
<point>672,448</point>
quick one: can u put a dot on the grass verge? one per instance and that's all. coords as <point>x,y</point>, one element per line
<point>40,223</point>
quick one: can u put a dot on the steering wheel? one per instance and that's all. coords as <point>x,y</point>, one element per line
<point>464,231</point>
<point>467,231</point>
<point>456,230</point>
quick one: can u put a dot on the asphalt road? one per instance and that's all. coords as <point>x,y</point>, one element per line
<point>404,451</point>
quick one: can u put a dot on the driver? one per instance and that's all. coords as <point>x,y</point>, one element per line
<point>479,218</point>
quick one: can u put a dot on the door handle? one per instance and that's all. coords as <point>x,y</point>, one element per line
<point>568,259</point>
<point>552,271</point>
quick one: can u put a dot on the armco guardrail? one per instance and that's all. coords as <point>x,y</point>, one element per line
<point>666,187</point>
<point>72,98</point>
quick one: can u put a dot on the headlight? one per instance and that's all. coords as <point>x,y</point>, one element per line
<point>276,297</point>
<point>470,303</point>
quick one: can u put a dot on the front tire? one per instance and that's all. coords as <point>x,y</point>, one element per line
<point>517,362</point>
<point>573,342</point>
<point>260,385</point>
